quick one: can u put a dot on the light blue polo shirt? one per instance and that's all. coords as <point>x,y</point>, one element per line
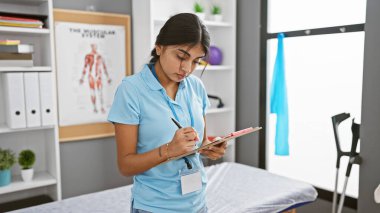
<point>141,100</point>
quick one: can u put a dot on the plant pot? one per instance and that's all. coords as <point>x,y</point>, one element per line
<point>27,174</point>
<point>201,16</point>
<point>217,17</point>
<point>5,177</point>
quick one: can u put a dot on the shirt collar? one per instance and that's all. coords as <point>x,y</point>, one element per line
<point>149,79</point>
<point>153,83</point>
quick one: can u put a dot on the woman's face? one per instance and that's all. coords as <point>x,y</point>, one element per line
<point>179,61</point>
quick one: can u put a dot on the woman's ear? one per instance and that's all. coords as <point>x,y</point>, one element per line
<point>158,49</point>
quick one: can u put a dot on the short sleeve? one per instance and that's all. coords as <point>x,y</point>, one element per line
<point>125,108</point>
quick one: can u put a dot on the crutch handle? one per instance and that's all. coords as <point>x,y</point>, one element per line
<point>336,120</point>
<point>355,128</point>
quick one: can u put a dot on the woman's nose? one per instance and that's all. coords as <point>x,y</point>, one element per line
<point>186,67</point>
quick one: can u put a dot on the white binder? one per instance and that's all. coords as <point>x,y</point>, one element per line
<point>14,100</point>
<point>32,99</point>
<point>46,94</point>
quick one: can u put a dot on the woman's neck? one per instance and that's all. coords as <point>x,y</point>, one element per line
<point>171,87</point>
<point>163,78</point>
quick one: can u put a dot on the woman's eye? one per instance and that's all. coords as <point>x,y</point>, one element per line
<point>180,58</point>
<point>197,62</point>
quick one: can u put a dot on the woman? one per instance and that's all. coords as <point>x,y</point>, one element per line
<point>146,136</point>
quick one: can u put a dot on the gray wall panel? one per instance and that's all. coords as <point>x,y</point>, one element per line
<point>369,130</point>
<point>248,82</point>
<point>89,166</point>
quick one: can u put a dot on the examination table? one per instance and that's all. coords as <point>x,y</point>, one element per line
<point>232,187</point>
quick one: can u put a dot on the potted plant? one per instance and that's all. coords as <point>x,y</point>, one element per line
<point>199,10</point>
<point>216,12</point>
<point>26,160</point>
<point>7,159</point>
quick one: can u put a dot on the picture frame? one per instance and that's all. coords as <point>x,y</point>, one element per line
<point>93,54</point>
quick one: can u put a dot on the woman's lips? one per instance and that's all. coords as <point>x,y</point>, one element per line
<point>181,76</point>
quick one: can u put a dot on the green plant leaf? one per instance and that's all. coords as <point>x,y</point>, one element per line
<point>216,10</point>
<point>26,159</point>
<point>198,8</point>
<point>7,159</point>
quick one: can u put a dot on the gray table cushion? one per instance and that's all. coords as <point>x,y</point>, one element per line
<point>232,187</point>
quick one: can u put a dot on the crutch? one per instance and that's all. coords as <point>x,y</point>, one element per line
<point>353,155</point>
<point>354,159</point>
<point>336,120</point>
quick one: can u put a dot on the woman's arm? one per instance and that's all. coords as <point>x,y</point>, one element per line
<point>130,163</point>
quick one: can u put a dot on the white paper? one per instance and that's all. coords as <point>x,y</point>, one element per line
<point>191,182</point>
<point>80,44</point>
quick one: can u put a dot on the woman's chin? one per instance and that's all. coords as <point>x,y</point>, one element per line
<point>180,78</point>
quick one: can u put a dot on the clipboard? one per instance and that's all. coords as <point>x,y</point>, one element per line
<point>228,137</point>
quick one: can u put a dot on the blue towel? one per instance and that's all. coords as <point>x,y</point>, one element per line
<point>279,101</point>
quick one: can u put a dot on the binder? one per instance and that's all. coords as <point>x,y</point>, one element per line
<point>32,99</point>
<point>46,102</point>
<point>14,100</point>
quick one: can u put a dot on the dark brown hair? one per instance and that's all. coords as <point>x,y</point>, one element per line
<point>183,28</point>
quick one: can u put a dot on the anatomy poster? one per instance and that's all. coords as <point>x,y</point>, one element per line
<point>90,64</point>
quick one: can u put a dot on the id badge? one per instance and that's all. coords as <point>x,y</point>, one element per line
<point>191,181</point>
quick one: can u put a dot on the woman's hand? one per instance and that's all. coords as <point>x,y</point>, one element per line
<point>183,141</point>
<point>214,152</point>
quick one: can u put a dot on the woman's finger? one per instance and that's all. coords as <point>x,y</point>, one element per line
<point>219,150</point>
<point>191,137</point>
<point>188,130</point>
<point>191,131</point>
<point>212,155</point>
<point>224,145</point>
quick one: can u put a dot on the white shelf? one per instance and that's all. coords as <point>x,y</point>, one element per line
<point>207,23</point>
<point>23,30</point>
<point>40,179</point>
<point>26,69</point>
<point>43,140</point>
<point>26,2</point>
<point>5,129</point>
<point>213,68</point>
<point>218,110</point>
<point>217,24</point>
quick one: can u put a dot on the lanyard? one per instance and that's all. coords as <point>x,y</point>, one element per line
<point>170,103</point>
<point>173,111</point>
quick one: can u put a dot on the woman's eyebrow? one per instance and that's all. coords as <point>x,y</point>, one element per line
<point>187,53</point>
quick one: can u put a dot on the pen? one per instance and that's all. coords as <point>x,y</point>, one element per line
<point>177,123</point>
<point>180,127</point>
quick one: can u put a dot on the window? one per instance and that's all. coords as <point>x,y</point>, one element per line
<point>324,78</point>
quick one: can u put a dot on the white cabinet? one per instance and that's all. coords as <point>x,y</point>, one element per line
<point>220,80</point>
<point>43,139</point>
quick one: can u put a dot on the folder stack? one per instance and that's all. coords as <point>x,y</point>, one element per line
<point>14,54</point>
<point>28,99</point>
<point>14,21</point>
